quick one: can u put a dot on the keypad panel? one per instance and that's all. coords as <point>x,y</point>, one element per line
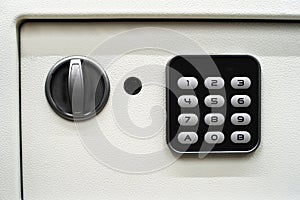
<point>213,104</point>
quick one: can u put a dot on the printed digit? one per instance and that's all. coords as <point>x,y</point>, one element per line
<point>214,119</point>
<point>241,101</point>
<point>240,119</point>
<point>241,83</point>
<point>214,83</point>
<point>187,119</point>
<point>188,100</point>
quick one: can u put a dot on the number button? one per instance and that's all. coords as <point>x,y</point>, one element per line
<point>187,101</point>
<point>187,119</point>
<point>187,137</point>
<point>214,101</point>
<point>240,119</point>
<point>240,82</point>
<point>240,137</point>
<point>187,83</point>
<point>214,137</point>
<point>214,83</point>
<point>214,119</point>
<point>240,101</point>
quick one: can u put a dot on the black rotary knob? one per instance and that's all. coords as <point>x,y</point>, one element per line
<point>77,88</point>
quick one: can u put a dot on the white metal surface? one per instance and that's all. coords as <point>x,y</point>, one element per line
<point>57,165</point>
<point>13,12</point>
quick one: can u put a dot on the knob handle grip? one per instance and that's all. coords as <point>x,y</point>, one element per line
<point>76,87</point>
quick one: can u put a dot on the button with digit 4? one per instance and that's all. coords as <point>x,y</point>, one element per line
<point>187,83</point>
<point>240,101</point>
<point>240,82</point>
<point>187,101</point>
<point>212,83</point>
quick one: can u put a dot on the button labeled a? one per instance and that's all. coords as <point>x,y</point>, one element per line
<point>187,137</point>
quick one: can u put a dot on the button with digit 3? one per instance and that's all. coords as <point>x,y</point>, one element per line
<point>240,82</point>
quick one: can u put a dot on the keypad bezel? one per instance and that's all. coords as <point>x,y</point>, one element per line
<point>227,67</point>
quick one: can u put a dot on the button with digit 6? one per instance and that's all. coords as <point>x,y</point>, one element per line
<point>240,101</point>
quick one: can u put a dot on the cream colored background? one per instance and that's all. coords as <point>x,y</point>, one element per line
<point>57,166</point>
<point>13,12</point>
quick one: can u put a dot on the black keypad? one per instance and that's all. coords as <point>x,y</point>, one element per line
<point>213,103</point>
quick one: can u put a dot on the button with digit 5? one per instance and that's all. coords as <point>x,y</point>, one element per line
<point>214,101</point>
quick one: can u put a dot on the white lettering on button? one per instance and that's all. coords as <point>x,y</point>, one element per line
<point>187,101</point>
<point>212,83</point>
<point>187,137</point>
<point>214,137</point>
<point>240,101</point>
<point>240,82</point>
<point>214,101</point>
<point>187,83</point>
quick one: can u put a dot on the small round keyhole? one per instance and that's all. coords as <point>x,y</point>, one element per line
<point>132,85</point>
